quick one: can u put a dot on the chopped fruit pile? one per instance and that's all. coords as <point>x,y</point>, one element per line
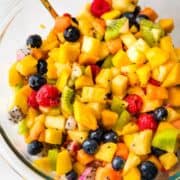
<point>100,96</point>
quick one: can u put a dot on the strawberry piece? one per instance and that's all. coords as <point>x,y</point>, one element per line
<point>99,7</point>
<point>154,82</point>
<point>134,103</point>
<point>48,96</point>
<point>95,70</point>
<point>32,100</point>
<point>147,121</point>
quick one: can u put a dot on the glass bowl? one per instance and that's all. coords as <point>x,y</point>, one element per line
<point>25,19</point>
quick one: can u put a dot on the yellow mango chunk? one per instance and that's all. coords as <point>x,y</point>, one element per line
<point>157,56</point>
<point>174,96</point>
<point>106,152</point>
<point>173,77</point>
<point>83,81</point>
<point>64,163</point>
<point>168,160</point>
<point>133,174</point>
<point>43,164</point>
<point>167,24</point>
<point>53,136</point>
<point>111,14</point>
<point>27,66</point>
<point>78,136</point>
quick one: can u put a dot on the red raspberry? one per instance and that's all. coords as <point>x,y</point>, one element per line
<point>32,100</point>
<point>95,70</point>
<point>147,121</point>
<point>99,7</point>
<point>154,82</point>
<point>134,103</point>
<point>48,96</point>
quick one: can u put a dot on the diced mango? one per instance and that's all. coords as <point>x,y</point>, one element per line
<point>156,53</point>
<point>173,77</point>
<point>168,160</point>
<point>27,66</point>
<point>14,76</point>
<point>174,96</point>
<point>84,158</point>
<point>64,163</point>
<point>120,59</point>
<point>133,174</point>
<point>79,168</point>
<point>109,118</point>
<point>78,136</point>
<point>53,136</point>
<point>167,24</point>
<point>144,73</point>
<point>114,45</point>
<point>106,152</point>
<point>111,14</point>
<point>83,81</point>
<point>151,13</point>
<point>156,161</point>
<point>52,71</point>
<point>155,92</point>
<point>43,164</point>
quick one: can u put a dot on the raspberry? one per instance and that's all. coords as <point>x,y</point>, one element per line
<point>32,100</point>
<point>154,82</point>
<point>95,70</point>
<point>48,96</point>
<point>99,7</point>
<point>147,121</point>
<point>134,103</point>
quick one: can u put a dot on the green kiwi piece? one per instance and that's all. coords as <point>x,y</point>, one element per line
<point>67,100</point>
<point>115,27</point>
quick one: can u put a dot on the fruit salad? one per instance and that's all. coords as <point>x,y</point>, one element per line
<point>99,97</point>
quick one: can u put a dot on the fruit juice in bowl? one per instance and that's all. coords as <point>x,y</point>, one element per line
<point>94,95</point>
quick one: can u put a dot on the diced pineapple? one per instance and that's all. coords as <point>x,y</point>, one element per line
<point>14,76</point>
<point>172,114</point>
<point>136,90</point>
<point>91,45</point>
<point>174,96</point>
<point>144,138</point>
<point>133,174</point>
<point>56,122</point>
<point>173,77</point>
<point>119,85</point>
<point>135,55</point>
<point>87,58</point>
<point>123,5</point>
<point>106,152</point>
<point>120,59</point>
<point>168,160</point>
<point>133,79</point>
<point>81,112</point>
<point>51,69</point>
<point>128,39</point>
<point>109,118</point>
<point>104,50</point>
<point>82,81</point>
<point>103,78</point>
<point>53,136</point>
<point>27,66</point>
<point>128,139</point>
<point>64,163</point>
<point>144,73</point>
<point>78,136</point>
<point>156,53</point>
<point>130,128</point>
<point>132,161</point>
<point>155,92</point>
<point>141,45</point>
<point>93,94</point>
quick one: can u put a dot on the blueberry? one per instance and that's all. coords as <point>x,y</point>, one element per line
<point>42,67</point>
<point>137,10</point>
<point>118,163</point>
<point>110,136</point>
<point>72,175</point>
<point>140,17</point>
<point>34,147</point>
<point>157,152</point>
<point>160,113</point>
<point>34,41</point>
<point>148,170</point>
<point>90,146</point>
<point>96,135</point>
<point>130,16</point>
<point>71,34</point>
<point>36,81</point>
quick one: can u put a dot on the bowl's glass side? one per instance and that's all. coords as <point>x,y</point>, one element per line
<point>27,21</point>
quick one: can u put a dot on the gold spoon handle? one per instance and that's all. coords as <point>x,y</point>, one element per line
<point>49,7</point>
